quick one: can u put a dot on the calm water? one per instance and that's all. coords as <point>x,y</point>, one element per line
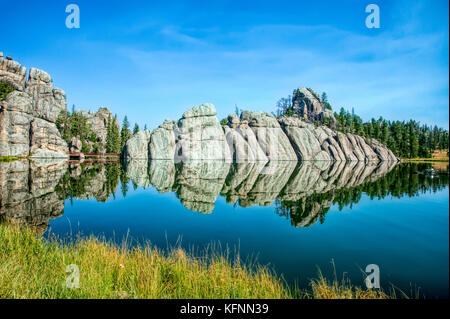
<point>294,217</point>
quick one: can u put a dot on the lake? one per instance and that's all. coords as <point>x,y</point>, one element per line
<point>295,218</point>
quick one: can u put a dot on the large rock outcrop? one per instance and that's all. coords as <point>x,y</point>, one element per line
<point>252,137</point>
<point>307,104</point>
<point>162,142</point>
<point>28,114</point>
<point>323,144</point>
<point>241,139</point>
<point>137,147</point>
<point>199,136</point>
<point>270,136</point>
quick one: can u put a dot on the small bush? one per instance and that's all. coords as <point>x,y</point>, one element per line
<point>5,89</point>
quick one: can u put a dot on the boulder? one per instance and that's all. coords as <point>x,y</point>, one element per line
<point>137,147</point>
<point>307,104</point>
<point>304,142</point>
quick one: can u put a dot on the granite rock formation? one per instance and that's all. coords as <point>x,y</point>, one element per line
<point>137,147</point>
<point>28,114</point>
<point>252,137</point>
<point>323,144</point>
<point>99,121</point>
<point>273,142</point>
<point>162,143</point>
<point>242,141</point>
<point>308,105</point>
<point>199,136</point>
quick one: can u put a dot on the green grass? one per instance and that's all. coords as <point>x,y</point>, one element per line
<point>34,268</point>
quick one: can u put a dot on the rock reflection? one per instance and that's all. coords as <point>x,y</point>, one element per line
<point>27,193</point>
<point>32,193</point>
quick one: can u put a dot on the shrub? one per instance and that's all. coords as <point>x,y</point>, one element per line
<point>5,89</point>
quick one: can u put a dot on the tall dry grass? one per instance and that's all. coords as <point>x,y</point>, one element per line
<point>34,268</point>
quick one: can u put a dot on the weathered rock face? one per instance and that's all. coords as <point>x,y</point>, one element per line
<point>323,144</point>
<point>162,141</point>
<point>270,136</point>
<point>47,102</point>
<point>99,123</point>
<point>244,146</point>
<point>13,73</point>
<point>45,140</point>
<point>309,106</point>
<point>199,136</point>
<point>252,137</point>
<point>137,147</point>
<point>28,114</point>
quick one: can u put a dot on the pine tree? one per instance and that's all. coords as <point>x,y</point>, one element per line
<point>116,142</point>
<point>109,138</point>
<point>125,133</point>
<point>136,129</point>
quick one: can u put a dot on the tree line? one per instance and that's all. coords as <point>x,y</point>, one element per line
<point>407,139</point>
<point>75,124</point>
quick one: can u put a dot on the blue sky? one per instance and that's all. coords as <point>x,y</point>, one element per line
<point>153,60</point>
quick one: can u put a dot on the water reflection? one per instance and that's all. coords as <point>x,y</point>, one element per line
<point>33,194</point>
